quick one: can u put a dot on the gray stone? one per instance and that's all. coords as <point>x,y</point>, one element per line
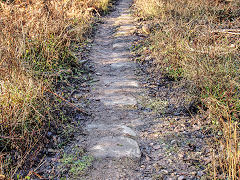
<point>116,129</point>
<point>119,65</point>
<point>164,171</point>
<point>156,147</point>
<point>121,45</point>
<point>173,142</point>
<point>98,74</point>
<point>78,95</point>
<point>181,178</point>
<point>200,173</point>
<point>119,100</point>
<point>127,130</point>
<point>120,83</point>
<point>115,147</point>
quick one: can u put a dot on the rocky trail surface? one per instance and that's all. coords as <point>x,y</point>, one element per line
<point>133,134</point>
<point>112,139</point>
<point>126,141</point>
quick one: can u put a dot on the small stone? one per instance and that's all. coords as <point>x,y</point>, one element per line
<point>49,134</point>
<point>54,138</point>
<point>151,144</point>
<point>52,151</point>
<point>193,173</point>
<point>147,158</point>
<point>148,58</point>
<point>181,178</point>
<point>115,147</point>
<point>98,74</point>
<point>156,147</point>
<point>200,173</point>
<point>180,155</point>
<point>164,171</point>
<point>77,95</point>
<point>155,135</point>
<point>146,28</point>
<point>83,62</point>
<point>173,142</point>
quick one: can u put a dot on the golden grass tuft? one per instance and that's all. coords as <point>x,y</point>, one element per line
<point>150,8</point>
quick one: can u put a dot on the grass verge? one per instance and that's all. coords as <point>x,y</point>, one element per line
<point>198,40</point>
<point>38,42</point>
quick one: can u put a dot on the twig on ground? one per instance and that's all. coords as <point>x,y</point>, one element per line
<point>71,104</point>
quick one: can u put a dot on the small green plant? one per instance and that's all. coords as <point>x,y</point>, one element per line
<point>156,105</point>
<point>76,162</point>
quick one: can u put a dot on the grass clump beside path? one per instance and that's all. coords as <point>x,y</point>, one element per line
<point>199,40</point>
<point>35,44</point>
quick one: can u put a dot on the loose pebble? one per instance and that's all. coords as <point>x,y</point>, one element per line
<point>157,147</point>
<point>181,178</point>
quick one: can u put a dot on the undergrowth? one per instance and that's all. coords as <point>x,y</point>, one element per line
<point>198,40</point>
<point>36,38</point>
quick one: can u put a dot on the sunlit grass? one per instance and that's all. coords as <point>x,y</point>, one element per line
<point>35,43</point>
<point>198,40</point>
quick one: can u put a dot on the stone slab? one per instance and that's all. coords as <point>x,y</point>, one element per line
<point>118,100</point>
<point>115,147</point>
<point>116,129</point>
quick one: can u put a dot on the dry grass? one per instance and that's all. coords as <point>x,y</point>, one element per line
<point>35,39</point>
<point>199,40</point>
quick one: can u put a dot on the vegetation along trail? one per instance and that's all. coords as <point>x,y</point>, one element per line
<point>149,90</point>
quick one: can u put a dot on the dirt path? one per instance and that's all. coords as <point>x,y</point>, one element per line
<point>126,139</point>
<point>112,138</point>
<point>138,129</point>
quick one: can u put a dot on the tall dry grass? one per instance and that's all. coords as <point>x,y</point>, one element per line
<point>35,42</point>
<point>199,40</point>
